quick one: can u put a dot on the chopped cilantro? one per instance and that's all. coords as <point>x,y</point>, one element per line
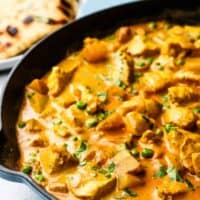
<point>27,169</point>
<point>111,167</point>
<point>160,173</point>
<point>170,127</point>
<point>57,122</point>
<point>165,98</point>
<point>121,84</point>
<point>189,184</point>
<point>103,96</point>
<point>21,124</point>
<point>152,25</point>
<point>133,90</point>
<point>91,122</point>
<point>196,110</point>
<point>174,174</point>
<point>130,192</point>
<point>30,95</point>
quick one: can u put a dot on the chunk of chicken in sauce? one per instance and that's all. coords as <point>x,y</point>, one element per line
<point>119,118</point>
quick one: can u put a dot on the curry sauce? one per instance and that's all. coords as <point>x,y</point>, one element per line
<point>118,119</point>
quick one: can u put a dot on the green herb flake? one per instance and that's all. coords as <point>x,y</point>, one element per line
<point>180,62</point>
<point>160,173</point>
<point>83,163</point>
<point>133,90</point>
<point>152,25</point>
<point>27,169</point>
<point>57,122</point>
<point>141,64</point>
<point>103,96</point>
<point>168,25</point>
<point>102,115</point>
<point>174,174</point>
<point>170,127</point>
<point>149,60</point>
<point>130,193</point>
<point>189,184</point>
<point>137,75</point>
<point>121,84</point>
<point>21,125</point>
<point>81,105</point>
<point>111,167</point>
<point>196,110</point>
<point>30,95</point>
<point>165,98</point>
<point>92,122</point>
<point>165,107</point>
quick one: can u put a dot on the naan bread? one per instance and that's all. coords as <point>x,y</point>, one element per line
<point>23,22</point>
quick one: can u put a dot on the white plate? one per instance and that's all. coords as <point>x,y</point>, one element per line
<point>6,64</point>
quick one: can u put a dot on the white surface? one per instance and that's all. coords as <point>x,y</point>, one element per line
<point>17,191</point>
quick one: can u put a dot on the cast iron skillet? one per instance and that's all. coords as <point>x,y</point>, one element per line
<point>48,52</point>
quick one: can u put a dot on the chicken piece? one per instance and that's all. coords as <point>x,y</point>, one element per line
<point>180,116</point>
<point>196,163</point>
<point>54,159</point>
<point>38,141</point>
<point>84,185</point>
<point>61,130</point>
<point>127,181</point>
<point>137,123</point>
<point>187,76</point>
<point>34,126</point>
<point>174,140</point>
<point>181,94</point>
<point>125,163</point>
<point>94,50</point>
<point>38,86</point>
<point>190,145</point>
<point>163,62</point>
<point>38,101</point>
<point>168,187</point>
<point>149,137</point>
<point>122,68</point>
<point>57,187</point>
<point>112,122</point>
<point>138,103</point>
<point>124,34</point>
<point>58,79</point>
<point>155,81</point>
<point>138,46</point>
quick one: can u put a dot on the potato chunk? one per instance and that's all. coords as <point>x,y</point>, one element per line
<point>58,79</point>
<point>168,187</point>
<point>125,163</point>
<point>190,145</point>
<point>140,104</point>
<point>38,101</point>
<point>155,81</point>
<point>34,126</point>
<point>54,159</point>
<point>180,116</point>
<point>181,94</point>
<point>137,123</point>
<point>84,185</point>
<point>114,121</point>
<point>39,86</point>
<point>94,50</point>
